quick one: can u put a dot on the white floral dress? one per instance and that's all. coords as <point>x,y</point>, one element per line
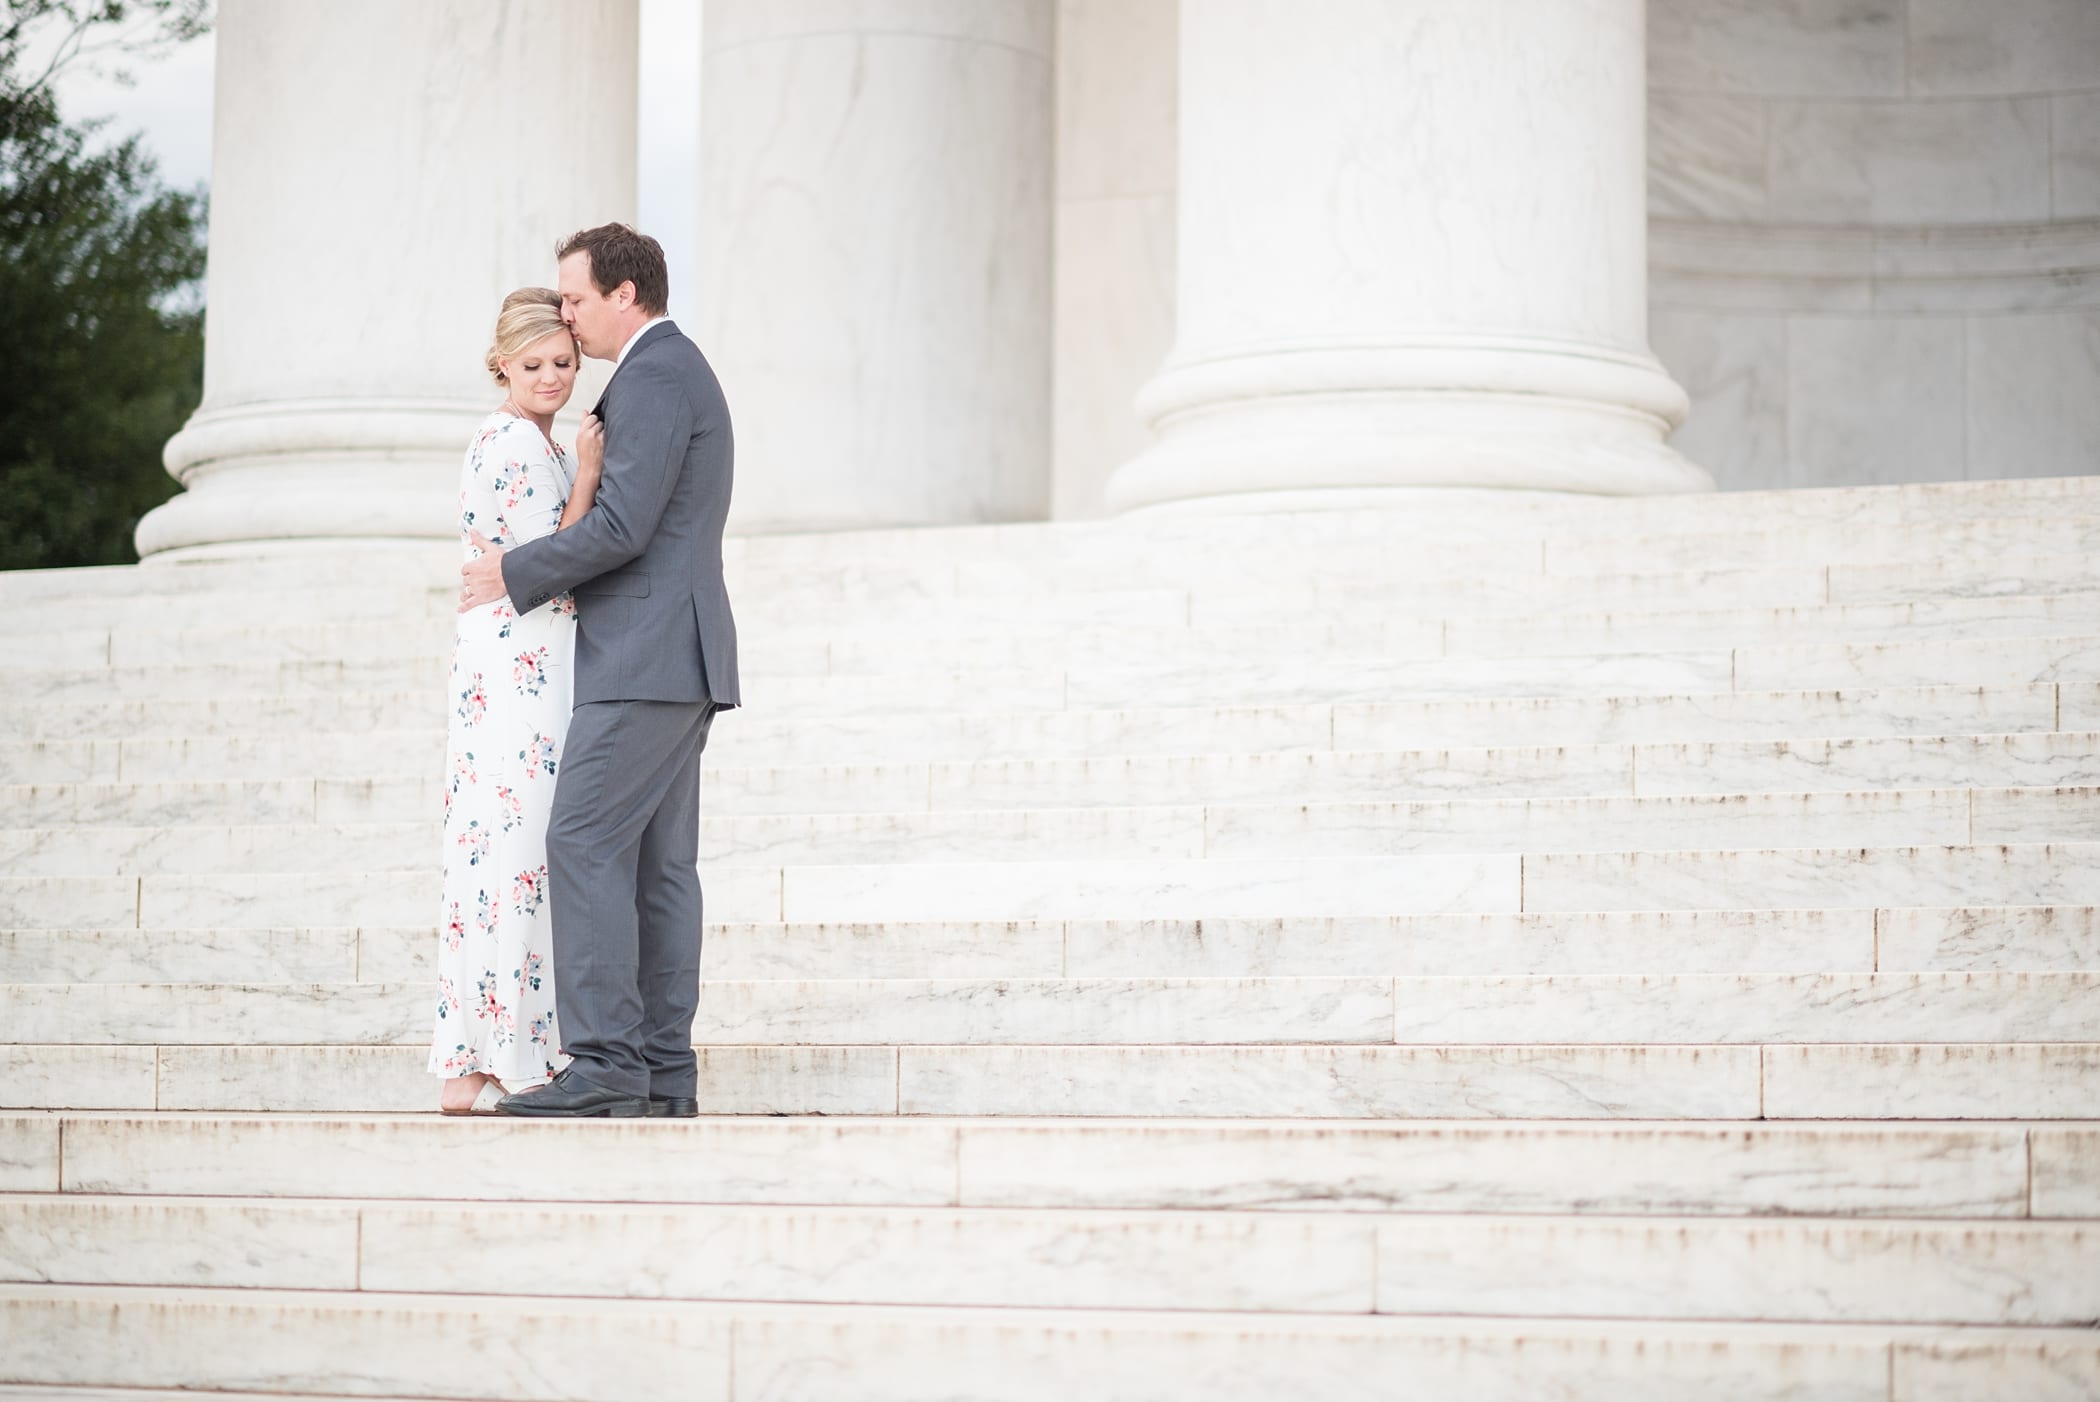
<point>510,698</point>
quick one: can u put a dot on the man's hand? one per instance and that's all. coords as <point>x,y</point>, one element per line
<point>481,580</point>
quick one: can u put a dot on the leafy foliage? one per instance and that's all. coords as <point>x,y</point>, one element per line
<point>92,34</point>
<point>99,326</point>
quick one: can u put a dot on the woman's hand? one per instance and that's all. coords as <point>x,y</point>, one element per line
<point>590,467</point>
<point>590,447</point>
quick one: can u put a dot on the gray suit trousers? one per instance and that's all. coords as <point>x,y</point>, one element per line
<point>622,846</point>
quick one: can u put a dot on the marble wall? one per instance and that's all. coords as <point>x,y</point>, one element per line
<point>1875,236</point>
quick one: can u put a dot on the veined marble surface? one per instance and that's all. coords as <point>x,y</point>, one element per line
<point>1693,1008</point>
<point>1757,1169</point>
<point>1547,825</point>
<point>1021,889</point>
<point>2036,660</point>
<point>1907,1273</point>
<point>1541,1082</point>
<point>72,1077</point>
<point>29,1153</point>
<point>67,901</point>
<point>110,1336</point>
<point>2046,1081</point>
<point>254,1014</point>
<point>1711,716</point>
<point>1753,1168</point>
<point>1056,1012</point>
<point>1066,1259</point>
<point>1454,944</point>
<point>117,1241</point>
<point>2048,761</point>
<point>1989,937</point>
<point>2066,1174</point>
<point>759,1158</point>
<point>1795,878</point>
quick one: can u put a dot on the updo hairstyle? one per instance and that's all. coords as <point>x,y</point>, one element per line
<point>530,315</point>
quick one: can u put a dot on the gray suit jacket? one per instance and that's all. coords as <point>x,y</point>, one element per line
<point>645,563</point>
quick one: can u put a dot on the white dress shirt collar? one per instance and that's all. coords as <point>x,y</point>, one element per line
<point>653,321</point>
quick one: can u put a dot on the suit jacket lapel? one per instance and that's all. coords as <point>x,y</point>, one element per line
<point>642,343</point>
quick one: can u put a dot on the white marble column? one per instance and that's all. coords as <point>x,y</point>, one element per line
<point>874,283</point>
<point>382,173</point>
<point>1412,252</point>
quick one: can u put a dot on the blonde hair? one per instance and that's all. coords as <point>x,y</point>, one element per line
<point>530,315</point>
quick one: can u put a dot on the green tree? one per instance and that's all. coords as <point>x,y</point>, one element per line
<point>100,318</point>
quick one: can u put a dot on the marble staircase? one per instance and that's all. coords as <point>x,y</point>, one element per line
<point>1486,950</point>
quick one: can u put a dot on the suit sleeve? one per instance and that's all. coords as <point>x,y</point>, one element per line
<point>646,432</point>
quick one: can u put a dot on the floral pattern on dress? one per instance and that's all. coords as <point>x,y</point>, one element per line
<point>503,747</point>
<point>540,755</point>
<point>529,672</point>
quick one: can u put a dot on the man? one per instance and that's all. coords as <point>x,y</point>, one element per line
<point>655,659</point>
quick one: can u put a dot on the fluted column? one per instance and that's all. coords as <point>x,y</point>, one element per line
<point>382,172</point>
<point>1412,252</point>
<point>875,256</point>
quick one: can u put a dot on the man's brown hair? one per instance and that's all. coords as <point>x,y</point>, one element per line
<point>620,253</point>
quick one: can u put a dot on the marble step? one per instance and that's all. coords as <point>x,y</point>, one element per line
<point>34,1392</point>
<point>857,556</point>
<point>774,603</point>
<point>397,775</point>
<point>772,607</point>
<point>597,1351</point>
<point>1217,832</point>
<point>2003,576</point>
<point>151,685</point>
<point>2037,874</point>
<point>262,602</point>
<point>1025,642</point>
<point>1750,1169</point>
<point>1492,1011</point>
<point>1561,537</point>
<point>331,734</point>
<point>1918,663</point>
<point>1214,833</point>
<point>1936,1081</point>
<point>1973,939</point>
<point>922,562</point>
<point>1398,549</point>
<point>1955,940</point>
<point>1346,679</point>
<point>1209,681</point>
<point>930,891</point>
<point>1967,543</point>
<point>771,1012</point>
<point>2061,874</point>
<point>934,590</point>
<point>1005,1257</point>
<point>1894,1272</point>
<point>1792,586</point>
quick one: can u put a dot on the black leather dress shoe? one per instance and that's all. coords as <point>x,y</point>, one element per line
<point>673,1107</point>
<point>570,1096</point>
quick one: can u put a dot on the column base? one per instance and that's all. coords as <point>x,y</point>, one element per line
<point>320,470</point>
<point>1456,412</point>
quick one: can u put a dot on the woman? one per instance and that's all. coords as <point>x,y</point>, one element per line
<point>510,697</point>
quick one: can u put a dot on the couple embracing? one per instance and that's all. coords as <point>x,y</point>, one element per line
<point>595,645</point>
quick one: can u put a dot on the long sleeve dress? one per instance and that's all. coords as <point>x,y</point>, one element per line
<point>510,699</point>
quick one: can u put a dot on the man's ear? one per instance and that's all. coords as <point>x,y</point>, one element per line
<point>626,293</point>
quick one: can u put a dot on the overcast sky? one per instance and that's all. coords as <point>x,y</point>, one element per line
<point>171,105</point>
